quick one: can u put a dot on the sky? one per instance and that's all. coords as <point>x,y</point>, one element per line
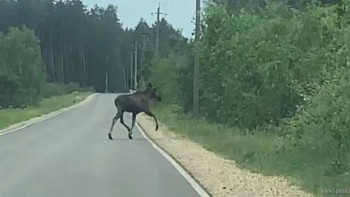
<point>180,13</point>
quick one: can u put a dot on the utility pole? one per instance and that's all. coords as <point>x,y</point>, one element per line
<point>106,85</point>
<point>158,13</point>
<point>125,76</point>
<point>131,70</point>
<point>196,63</point>
<point>135,82</point>
<point>106,82</point>
<point>143,51</point>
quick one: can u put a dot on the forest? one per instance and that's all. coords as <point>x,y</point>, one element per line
<point>276,70</point>
<point>69,47</point>
<point>274,88</point>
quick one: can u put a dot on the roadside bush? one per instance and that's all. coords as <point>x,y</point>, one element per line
<point>53,89</point>
<point>248,66</point>
<point>279,79</point>
<point>257,68</point>
<point>324,123</point>
<point>10,91</point>
<point>21,72</point>
<point>164,74</point>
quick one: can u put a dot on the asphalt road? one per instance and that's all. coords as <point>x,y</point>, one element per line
<point>70,156</point>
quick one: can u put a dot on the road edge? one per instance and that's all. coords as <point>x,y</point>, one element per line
<point>187,175</point>
<point>24,124</point>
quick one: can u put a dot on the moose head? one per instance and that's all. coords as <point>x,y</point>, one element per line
<point>153,92</point>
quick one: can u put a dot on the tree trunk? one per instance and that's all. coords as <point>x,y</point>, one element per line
<point>125,86</point>
<point>84,66</point>
<point>61,67</point>
<point>51,62</point>
<point>62,78</point>
<point>107,61</point>
<point>66,76</point>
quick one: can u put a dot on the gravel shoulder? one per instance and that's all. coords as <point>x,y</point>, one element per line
<point>219,176</point>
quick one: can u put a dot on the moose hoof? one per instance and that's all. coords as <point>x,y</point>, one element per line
<point>130,137</point>
<point>110,136</point>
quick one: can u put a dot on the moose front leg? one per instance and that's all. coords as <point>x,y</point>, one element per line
<point>116,117</point>
<point>152,115</point>
<point>132,124</point>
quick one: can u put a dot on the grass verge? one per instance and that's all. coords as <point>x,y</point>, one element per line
<point>264,153</point>
<point>9,117</point>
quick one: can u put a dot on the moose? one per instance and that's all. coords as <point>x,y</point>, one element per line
<point>134,103</point>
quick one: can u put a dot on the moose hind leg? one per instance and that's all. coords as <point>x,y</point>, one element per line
<point>117,116</point>
<point>152,115</point>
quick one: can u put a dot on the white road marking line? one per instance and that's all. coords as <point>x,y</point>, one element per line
<point>35,120</point>
<point>183,172</point>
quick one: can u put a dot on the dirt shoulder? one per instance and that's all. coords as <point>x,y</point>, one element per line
<point>219,176</point>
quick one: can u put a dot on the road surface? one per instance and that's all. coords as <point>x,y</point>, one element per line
<point>70,156</point>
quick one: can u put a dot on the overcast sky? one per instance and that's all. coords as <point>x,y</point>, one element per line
<point>179,12</point>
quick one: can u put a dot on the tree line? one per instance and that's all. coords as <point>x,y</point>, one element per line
<point>76,46</point>
<point>277,68</point>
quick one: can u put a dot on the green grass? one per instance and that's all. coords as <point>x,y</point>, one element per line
<point>262,152</point>
<point>9,117</point>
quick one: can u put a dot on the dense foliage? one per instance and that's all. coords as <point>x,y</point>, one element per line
<point>77,45</point>
<point>20,78</point>
<point>73,47</point>
<point>278,69</point>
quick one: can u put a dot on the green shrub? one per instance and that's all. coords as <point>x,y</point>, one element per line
<point>53,89</point>
<point>275,89</point>
<point>164,75</point>
<point>21,68</point>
